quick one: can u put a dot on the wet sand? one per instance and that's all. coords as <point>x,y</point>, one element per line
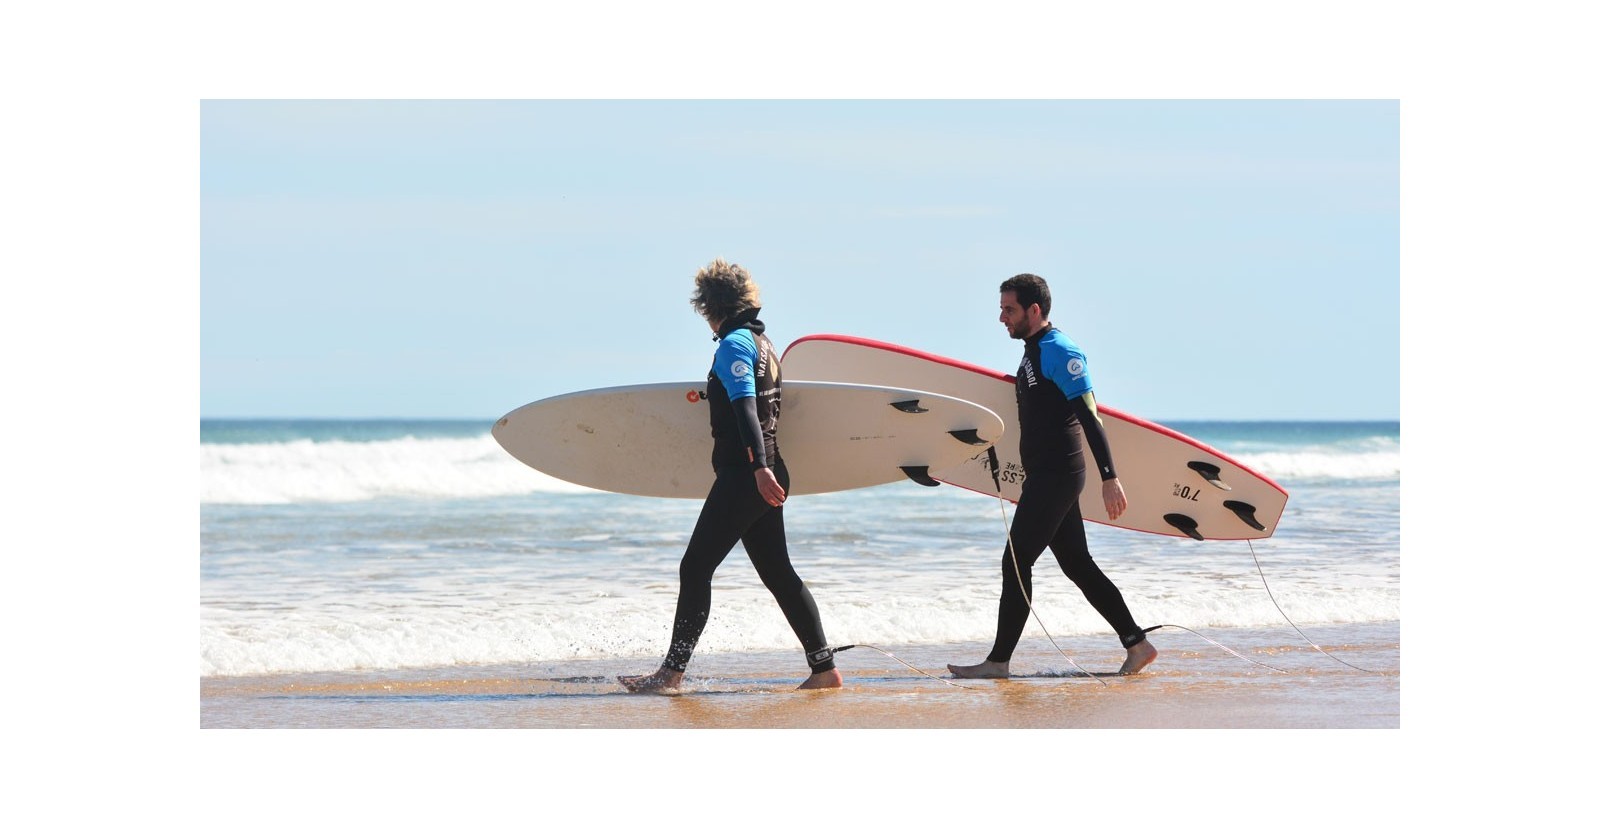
<point>1194,685</point>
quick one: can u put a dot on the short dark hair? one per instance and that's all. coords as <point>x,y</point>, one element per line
<point>1030,290</point>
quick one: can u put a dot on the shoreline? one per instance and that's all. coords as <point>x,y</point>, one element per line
<point>1194,684</point>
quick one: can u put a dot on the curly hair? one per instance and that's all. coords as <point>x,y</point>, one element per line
<point>723,291</point>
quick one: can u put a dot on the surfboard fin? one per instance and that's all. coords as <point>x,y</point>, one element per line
<point>919,474</point>
<point>1184,524</point>
<point>910,406</point>
<point>1212,474</point>
<point>969,436</point>
<point>1245,511</point>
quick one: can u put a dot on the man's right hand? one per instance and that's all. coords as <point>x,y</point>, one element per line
<point>1116,500</point>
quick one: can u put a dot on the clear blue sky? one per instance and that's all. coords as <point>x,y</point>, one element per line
<point>1216,259</point>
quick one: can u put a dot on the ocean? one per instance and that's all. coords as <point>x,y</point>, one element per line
<point>338,546</point>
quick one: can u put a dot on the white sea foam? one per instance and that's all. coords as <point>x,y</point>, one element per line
<point>304,471</point>
<point>1320,464</point>
<point>500,629</point>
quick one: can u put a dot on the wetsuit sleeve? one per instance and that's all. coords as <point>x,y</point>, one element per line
<point>735,367</point>
<point>744,414</point>
<point>1064,365</point>
<point>1094,433</point>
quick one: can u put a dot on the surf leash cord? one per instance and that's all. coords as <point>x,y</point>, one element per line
<point>994,467</point>
<point>902,661</point>
<point>1016,568</point>
<point>1286,615</point>
<point>1221,647</point>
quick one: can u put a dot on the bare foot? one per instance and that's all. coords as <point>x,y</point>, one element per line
<point>823,681</point>
<point>988,669</point>
<point>1139,657</point>
<point>661,681</point>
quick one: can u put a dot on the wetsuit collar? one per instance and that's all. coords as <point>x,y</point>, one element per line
<point>1039,334</point>
<point>746,319</point>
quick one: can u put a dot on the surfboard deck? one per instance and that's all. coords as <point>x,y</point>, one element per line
<point>1176,485</point>
<point>655,440</point>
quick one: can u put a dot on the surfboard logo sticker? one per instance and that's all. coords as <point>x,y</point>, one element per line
<point>1185,493</point>
<point>1005,472</point>
<point>695,396</point>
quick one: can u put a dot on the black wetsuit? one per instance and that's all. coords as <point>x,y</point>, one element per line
<point>1054,402</point>
<point>744,431</point>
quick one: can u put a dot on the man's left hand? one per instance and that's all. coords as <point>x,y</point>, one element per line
<point>771,490</point>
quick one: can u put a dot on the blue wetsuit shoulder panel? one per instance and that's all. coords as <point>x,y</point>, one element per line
<point>1063,363</point>
<point>735,363</point>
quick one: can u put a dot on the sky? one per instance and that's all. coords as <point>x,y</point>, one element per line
<point>1215,259</point>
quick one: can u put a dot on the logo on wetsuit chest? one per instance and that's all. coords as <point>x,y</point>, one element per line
<point>1027,371</point>
<point>765,363</point>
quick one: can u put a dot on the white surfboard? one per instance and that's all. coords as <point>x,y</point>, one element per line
<point>1175,484</point>
<point>655,440</point>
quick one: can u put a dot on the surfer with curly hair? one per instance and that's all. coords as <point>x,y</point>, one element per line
<point>745,504</point>
<point>1054,400</point>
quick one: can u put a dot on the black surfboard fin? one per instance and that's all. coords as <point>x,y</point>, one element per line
<point>969,436</point>
<point>1245,511</point>
<point>1212,474</point>
<point>919,474</point>
<point>910,406</point>
<point>1184,524</point>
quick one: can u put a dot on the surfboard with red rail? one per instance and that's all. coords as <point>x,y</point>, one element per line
<point>1176,485</point>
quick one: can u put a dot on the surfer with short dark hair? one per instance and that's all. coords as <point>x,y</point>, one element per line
<point>1054,399</point>
<point>745,504</point>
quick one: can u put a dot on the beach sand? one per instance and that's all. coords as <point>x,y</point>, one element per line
<point>1194,684</point>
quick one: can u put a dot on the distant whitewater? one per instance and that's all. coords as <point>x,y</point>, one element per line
<point>281,462</point>
<point>307,471</point>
